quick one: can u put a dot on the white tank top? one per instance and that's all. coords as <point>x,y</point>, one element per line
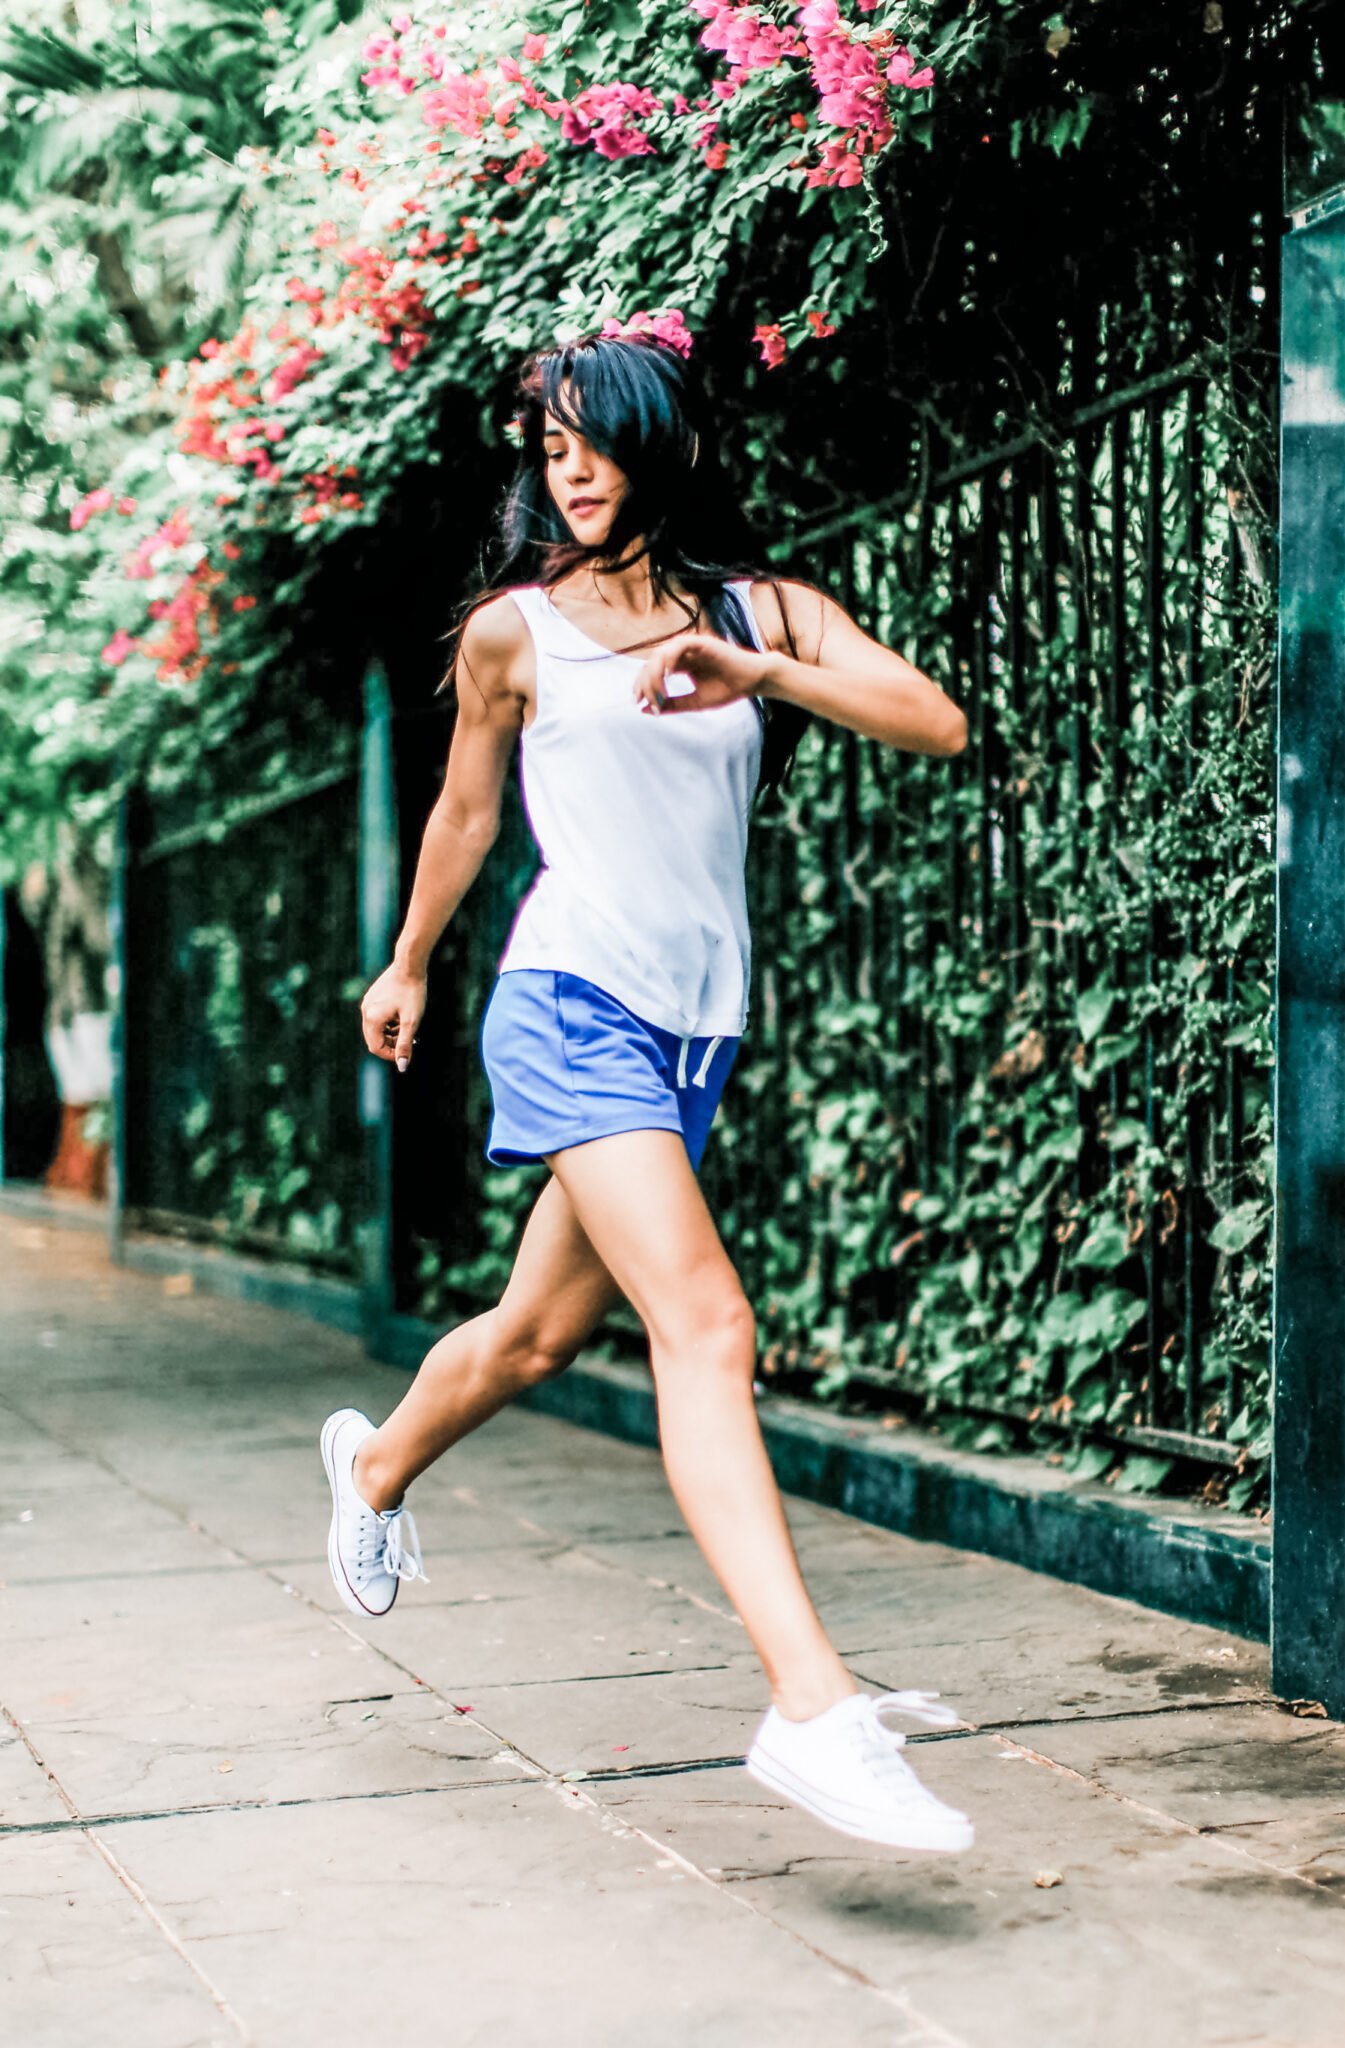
<point>641,823</point>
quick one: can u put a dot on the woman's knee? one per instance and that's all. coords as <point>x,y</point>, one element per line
<point>536,1347</point>
<point>718,1331</point>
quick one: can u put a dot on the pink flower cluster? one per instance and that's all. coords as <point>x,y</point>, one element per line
<point>388,54</point>
<point>853,90</point>
<point>608,117</point>
<point>462,102</point>
<point>667,326</point>
<point>174,533</point>
<point>748,41</point>
<point>845,72</point>
<point>100,500</point>
<point>605,115</point>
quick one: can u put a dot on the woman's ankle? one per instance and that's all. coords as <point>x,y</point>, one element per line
<point>802,1700</point>
<point>372,1483</point>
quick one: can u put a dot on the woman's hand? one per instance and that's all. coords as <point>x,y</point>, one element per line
<point>390,1010</point>
<point>698,672</point>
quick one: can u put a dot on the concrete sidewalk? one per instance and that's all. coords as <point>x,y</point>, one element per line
<point>513,1813</point>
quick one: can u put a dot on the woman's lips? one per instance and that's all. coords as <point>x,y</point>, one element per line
<point>585,504</point>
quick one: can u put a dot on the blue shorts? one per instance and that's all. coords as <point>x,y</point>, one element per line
<point>567,1062</point>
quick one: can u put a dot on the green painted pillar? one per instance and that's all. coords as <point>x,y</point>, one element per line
<point>1308,1566</point>
<point>379,882</point>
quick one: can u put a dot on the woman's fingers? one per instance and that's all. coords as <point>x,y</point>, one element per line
<point>671,672</point>
<point>389,1013</point>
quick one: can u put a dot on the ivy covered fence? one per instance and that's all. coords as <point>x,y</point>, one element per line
<point>1008,1106</point>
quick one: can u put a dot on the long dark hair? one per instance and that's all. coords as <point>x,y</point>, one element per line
<point>636,400</point>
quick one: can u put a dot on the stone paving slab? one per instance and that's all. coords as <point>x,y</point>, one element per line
<point>350,1748</point>
<point>228,1638</point>
<point>1241,1768</point>
<point>27,1796</point>
<point>1235,1954</point>
<point>81,1963</point>
<point>577,1857</point>
<point>497,1918</point>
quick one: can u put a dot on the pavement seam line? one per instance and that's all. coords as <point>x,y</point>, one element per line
<point>930,2033</point>
<point>1235,1849</point>
<point>130,1884</point>
<point>470,1498</point>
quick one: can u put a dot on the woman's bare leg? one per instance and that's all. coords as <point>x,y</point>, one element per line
<point>558,1292</point>
<point>638,1202</point>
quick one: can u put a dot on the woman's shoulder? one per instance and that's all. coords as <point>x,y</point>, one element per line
<point>791,614</point>
<point>497,625</point>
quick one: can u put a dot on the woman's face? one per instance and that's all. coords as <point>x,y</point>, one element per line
<point>587,487</point>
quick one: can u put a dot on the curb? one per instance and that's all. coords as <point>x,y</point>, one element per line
<point>1201,1565</point>
<point>1204,1565</point>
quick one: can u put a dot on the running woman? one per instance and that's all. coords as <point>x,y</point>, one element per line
<point>653,684</point>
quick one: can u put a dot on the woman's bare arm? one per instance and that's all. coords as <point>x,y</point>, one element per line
<point>464,823</point>
<point>850,679</point>
<point>838,673</point>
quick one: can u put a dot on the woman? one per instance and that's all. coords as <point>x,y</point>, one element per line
<point>652,690</point>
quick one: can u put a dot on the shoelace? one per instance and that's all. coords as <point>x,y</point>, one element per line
<point>393,1546</point>
<point>881,1746</point>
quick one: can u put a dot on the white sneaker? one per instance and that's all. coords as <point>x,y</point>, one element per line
<point>846,1767</point>
<point>369,1553</point>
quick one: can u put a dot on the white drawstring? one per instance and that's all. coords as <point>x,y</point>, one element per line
<point>711,1050</point>
<point>699,1077</point>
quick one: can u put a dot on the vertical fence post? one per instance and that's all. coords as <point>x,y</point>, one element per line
<point>1308,1575</point>
<point>118,910</point>
<point>378,889</point>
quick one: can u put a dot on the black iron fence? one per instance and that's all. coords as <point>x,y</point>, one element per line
<point>997,1139</point>
<point>1007,1073</point>
<point>238,1116</point>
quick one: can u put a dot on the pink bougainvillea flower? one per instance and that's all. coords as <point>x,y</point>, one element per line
<point>530,159</point>
<point>840,165</point>
<point>174,533</point>
<point>534,48</point>
<point>667,325</point>
<point>461,102</point>
<point>900,72</point>
<point>118,647</point>
<point>126,504</point>
<point>608,117</point>
<point>93,501</point>
<point>820,325</point>
<point>244,603</point>
<point>748,41</point>
<point>772,344</point>
<point>821,18</point>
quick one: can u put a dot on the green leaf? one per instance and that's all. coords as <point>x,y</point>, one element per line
<point>1240,1227</point>
<point>1094,1007</point>
<point>1106,1245</point>
<point>1142,1473</point>
<point>1088,1461</point>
